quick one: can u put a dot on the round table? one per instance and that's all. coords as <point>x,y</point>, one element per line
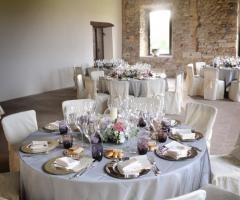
<point>176,178</point>
<point>137,88</point>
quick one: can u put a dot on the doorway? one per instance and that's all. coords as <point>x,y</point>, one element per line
<point>102,40</point>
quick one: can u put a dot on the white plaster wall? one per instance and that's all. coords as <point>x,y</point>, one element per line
<point>40,41</point>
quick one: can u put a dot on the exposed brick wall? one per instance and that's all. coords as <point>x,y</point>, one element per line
<point>201,30</point>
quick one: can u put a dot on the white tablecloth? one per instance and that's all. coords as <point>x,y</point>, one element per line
<point>137,87</point>
<point>225,74</point>
<point>177,178</point>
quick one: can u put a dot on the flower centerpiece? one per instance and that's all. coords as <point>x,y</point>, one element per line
<point>226,61</point>
<point>115,132</point>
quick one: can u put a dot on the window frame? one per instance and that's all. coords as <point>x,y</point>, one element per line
<point>170,35</point>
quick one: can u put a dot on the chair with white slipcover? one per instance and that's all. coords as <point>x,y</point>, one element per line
<point>100,98</point>
<point>18,127</point>
<point>95,75</point>
<point>194,83</point>
<point>76,71</point>
<point>195,195</point>
<point>199,66</point>
<point>77,106</point>
<point>234,90</point>
<point>201,117</point>
<point>213,87</point>
<point>226,170</point>
<point>81,92</point>
<point>174,99</point>
<point>1,112</point>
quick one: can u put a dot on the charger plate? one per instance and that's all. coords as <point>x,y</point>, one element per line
<point>52,144</point>
<point>50,168</point>
<point>191,154</point>
<point>111,169</point>
<point>178,138</point>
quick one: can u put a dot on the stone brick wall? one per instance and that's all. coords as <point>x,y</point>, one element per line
<point>201,30</point>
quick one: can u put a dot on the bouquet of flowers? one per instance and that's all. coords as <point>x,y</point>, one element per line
<point>115,132</point>
<point>226,61</point>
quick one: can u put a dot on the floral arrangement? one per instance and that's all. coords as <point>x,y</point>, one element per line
<point>115,132</point>
<point>226,61</point>
<point>112,63</point>
<point>132,71</point>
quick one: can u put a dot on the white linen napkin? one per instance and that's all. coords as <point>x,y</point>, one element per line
<point>53,125</point>
<point>71,164</point>
<point>176,150</point>
<point>134,165</point>
<point>184,133</point>
<point>39,146</point>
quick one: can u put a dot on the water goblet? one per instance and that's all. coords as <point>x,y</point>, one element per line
<point>67,141</point>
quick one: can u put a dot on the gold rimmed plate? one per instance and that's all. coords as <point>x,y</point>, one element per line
<point>191,154</point>
<point>52,144</point>
<point>112,170</point>
<point>50,168</point>
<point>178,138</point>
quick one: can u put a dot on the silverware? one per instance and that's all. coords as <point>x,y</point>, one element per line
<point>82,171</point>
<point>155,169</point>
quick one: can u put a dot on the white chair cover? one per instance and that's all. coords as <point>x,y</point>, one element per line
<point>154,87</point>
<point>226,172</point>
<point>196,195</point>
<point>201,117</point>
<point>1,111</point>
<point>213,88</point>
<point>78,105</point>
<point>9,186</point>
<point>234,91</point>
<point>199,66</point>
<point>100,98</point>
<point>76,71</point>
<point>18,126</point>
<point>214,192</point>
<point>95,75</point>
<point>81,92</point>
<point>174,99</point>
<point>119,89</point>
<point>194,83</point>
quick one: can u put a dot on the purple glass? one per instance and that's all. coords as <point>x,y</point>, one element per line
<point>162,136</point>
<point>67,141</point>
<point>97,147</point>
<point>63,129</point>
<point>142,146</point>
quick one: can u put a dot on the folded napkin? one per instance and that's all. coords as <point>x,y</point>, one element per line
<point>176,150</point>
<point>184,133</point>
<point>52,126</point>
<point>71,164</point>
<point>39,146</point>
<point>134,165</point>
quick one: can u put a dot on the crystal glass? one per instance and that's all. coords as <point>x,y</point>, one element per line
<point>162,136</point>
<point>96,146</point>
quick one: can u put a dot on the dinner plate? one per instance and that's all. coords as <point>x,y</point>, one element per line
<point>50,168</point>
<point>52,144</point>
<point>112,170</point>
<point>68,153</point>
<point>191,154</point>
<point>178,138</point>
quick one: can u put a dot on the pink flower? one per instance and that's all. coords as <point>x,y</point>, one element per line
<point>119,126</point>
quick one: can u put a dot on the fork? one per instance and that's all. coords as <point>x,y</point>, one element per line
<point>155,169</point>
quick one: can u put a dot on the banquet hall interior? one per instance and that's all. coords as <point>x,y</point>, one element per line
<point>119,99</point>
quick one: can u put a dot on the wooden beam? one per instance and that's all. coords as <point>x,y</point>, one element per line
<point>101,24</point>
